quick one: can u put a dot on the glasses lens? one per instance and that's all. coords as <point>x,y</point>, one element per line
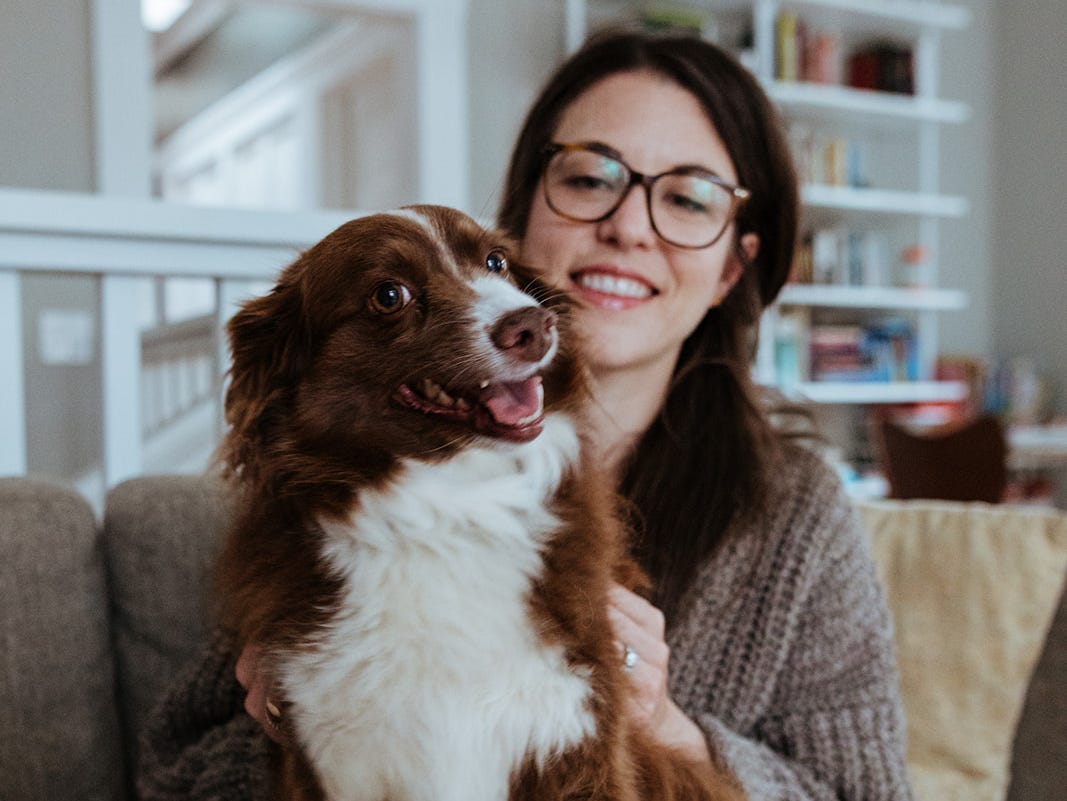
<point>584,185</point>
<point>690,209</point>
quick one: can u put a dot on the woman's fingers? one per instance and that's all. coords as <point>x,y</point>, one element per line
<point>642,613</point>
<point>638,624</point>
<point>638,628</point>
<point>258,703</point>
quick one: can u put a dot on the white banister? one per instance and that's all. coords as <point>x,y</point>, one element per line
<point>121,235</point>
<point>75,232</point>
<point>122,240</point>
<point>12,400</point>
<point>121,364</point>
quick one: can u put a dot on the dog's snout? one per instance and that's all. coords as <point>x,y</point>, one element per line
<point>527,334</point>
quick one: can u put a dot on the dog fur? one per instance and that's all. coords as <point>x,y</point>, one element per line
<point>427,578</point>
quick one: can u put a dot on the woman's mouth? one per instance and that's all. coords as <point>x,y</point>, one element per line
<point>611,290</point>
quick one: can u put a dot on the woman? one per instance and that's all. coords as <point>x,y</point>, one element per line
<point>652,183</point>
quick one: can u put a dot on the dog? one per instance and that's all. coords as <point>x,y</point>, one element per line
<point>423,549</point>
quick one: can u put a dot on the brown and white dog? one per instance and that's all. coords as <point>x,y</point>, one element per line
<point>421,550</point>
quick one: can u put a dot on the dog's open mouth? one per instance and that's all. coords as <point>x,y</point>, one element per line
<point>511,410</point>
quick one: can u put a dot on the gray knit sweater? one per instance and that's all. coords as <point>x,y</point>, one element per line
<point>781,652</point>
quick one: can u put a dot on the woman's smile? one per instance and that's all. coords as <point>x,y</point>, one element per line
<point>611,288</point>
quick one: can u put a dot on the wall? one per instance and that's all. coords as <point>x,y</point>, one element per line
<point>967,74</point>
<point>1029,235</point>
<point>514,47</point>
<point>45,95</point>
<point>47,143</point>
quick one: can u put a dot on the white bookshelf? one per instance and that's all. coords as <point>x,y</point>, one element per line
<point>908,194</point>
<point>903,194</point>
<point>883,201</point>
<point>891,15</point>
<point>843,103</point>
<point>876,392</point>
<point>865,297</point>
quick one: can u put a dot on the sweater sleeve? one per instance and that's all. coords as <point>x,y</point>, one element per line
<point>820,716</point>
<point>200,744</point>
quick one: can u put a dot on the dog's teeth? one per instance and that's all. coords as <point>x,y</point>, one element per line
<point>429,388</point>
<point>462,405</point>
<point>444,398</point>
<point>483,385</point>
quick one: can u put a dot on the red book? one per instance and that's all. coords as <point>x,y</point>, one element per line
<point>863,70</point>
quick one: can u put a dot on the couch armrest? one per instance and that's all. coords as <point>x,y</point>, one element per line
<point>59,731</point>
<point>1039,756</point>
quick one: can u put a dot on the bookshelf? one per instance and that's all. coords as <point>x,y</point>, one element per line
<point>895,203</point>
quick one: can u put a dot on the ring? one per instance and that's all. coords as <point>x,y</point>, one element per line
<point>274,715</point>
<point>629,658</point>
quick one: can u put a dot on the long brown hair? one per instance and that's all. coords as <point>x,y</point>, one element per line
<point>704,462</point>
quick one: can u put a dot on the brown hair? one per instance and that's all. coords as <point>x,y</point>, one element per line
<point>704,462</point>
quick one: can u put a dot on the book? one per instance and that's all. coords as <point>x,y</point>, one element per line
<point>788,50</point>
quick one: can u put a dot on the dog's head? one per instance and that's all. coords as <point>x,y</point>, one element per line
<point>401,334</point>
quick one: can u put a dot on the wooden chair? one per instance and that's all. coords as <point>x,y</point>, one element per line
<point>965,461</point>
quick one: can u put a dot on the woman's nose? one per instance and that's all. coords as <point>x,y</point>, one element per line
<point>630,224</point>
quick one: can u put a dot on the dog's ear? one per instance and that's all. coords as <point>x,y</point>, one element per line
<point>270,345</point>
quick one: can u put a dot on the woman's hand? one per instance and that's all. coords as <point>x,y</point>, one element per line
<point>639,626</point>
<point>258,703</point>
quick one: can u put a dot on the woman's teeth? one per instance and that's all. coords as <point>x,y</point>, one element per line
<point>613,285</point>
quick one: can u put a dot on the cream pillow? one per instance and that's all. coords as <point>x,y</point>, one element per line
<point>973,589</point>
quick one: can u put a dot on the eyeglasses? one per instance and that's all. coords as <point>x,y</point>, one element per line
<point>689,207</point>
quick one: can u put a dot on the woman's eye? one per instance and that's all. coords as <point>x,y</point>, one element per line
<point>684,203</point>
<point>586,182</point>
<point>496,261</point>
<point>389,297</point>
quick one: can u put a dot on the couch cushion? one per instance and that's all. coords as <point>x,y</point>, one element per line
<point>161,534</point>
<point>59,732</point>
<point>973,589</point>
<point>1039,758</point>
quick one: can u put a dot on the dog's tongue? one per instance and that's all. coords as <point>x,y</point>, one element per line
<point>513,404</point>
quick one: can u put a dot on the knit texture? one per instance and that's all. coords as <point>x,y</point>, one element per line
<point>781,652</point>
<point>200,743</point>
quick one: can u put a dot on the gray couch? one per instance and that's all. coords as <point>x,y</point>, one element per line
<point>96,619</point>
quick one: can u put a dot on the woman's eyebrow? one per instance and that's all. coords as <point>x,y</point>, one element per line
<point>702,168</point>
<point>603,149</point>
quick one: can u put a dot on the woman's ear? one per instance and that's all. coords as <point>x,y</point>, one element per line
<point>737,260</point>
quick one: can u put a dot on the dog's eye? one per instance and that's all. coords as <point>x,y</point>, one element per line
<point>496,261</point>
<point>389,297</point>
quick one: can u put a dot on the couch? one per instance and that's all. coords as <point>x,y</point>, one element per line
<point>97,617</point>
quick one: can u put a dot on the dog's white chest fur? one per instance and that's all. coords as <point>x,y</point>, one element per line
<point>431,684</point>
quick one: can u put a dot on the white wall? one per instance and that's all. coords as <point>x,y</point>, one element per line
<point>967,74</point>
<point>46,143</point>
<point>514,45</point>
<point>45,95</point>
<point>1029,235</point>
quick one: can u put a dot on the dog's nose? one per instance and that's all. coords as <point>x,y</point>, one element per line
<point>526,333</point>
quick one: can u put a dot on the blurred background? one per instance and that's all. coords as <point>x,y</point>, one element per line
<point>161,160</point>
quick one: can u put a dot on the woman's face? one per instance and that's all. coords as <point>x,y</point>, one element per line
<point>638,297</point>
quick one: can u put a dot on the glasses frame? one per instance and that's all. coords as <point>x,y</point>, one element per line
<point>738,195</point>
